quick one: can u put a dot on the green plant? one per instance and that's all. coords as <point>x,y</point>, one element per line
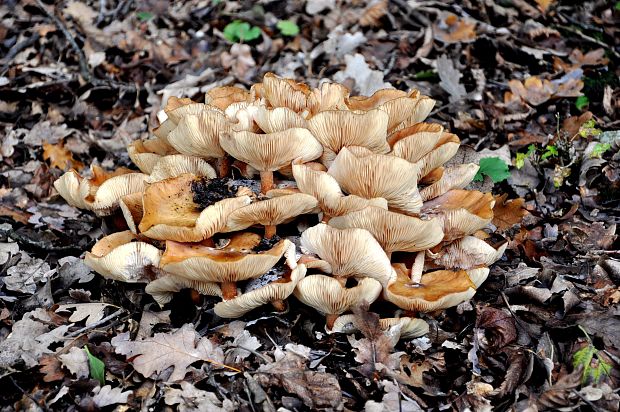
<point>588,358</point>
<point>550,151</point>
<point>521,156</point>
<point>96,366</point>
<point>589,129</point>
<point>599,149</point>
<point>144,16</point>
<point>288,28</point>
<point>494,167</point>
<point>582,102</point>
<point>240,31</point>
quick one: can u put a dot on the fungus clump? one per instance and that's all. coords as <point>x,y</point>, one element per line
<point>227,188</point>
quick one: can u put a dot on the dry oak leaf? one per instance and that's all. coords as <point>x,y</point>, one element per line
<point>544,5</point>
<point>373,13</point>
<point>60,157</point>
<point>51,368</point>
<point>191,399</point>
<point>449,28</point>
<point>507,213</point>
<point>533,90</point>
<point>107,395</point>
<point>176,350</point>
<point>591,58</point>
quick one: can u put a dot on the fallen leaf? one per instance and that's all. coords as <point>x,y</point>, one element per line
<point>544,5</point>
<point>393,401</point>
<point>51,368</point>
<point>449,28</point>
<point>239,61</point>
<point>191,399</point>
<point>105,396</point>
<point>498,328</point>
<point>450,79</point>
<point>372,14</point>
<point>367,81</point>
<point>592,58</point>
<point>76,362</point>
<point>60,158</point>
<point>92,312</point>
<point>176,350</point>
<point>507,213</point>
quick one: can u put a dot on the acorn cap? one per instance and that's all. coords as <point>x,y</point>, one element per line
<point>455,177</point>
<point>328,296</point>
<point>350,252</point>
<point>409,327</point>
<point>413,142</point>
<point>176,165</point>
<point>393,231</point>
<point>462,212</point>
<point>467,253</point>
<point>440,289</point>
<point>362,173</point>
<point>270,212</point>
<point>327,191</point>
<point>164,288</point>
<point>198,134</point>
<point>229,264</point>
<point>272,151</point>
<point>118,257</point>
<point>171,214</point>
<point>336,129</point>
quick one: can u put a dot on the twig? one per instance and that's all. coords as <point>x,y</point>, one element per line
<point>590,39</point>
<point>253,352</point>
<point>96,324</point>
<point>16,49</point>
<point>590,404</point>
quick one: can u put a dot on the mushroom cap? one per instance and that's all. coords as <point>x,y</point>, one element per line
<point>462,212</point>
<point>440,289</point>
<point>171,214</point>
<point>377,99</point>
<point>393,231</point>
<point>193,108</point>
<point>176,165</point>
<point>281,92</point>
<point>203,263</point>
<point>409,327</point>
<point>273,211</point>
<point>162,131</point>
<point>336,129</point>
<point>278,119</point>
<point>454,177</point>
<point>413,142</point>
<point>328,96</point>
<point>131,207</point>
<point>117,257</point>
<point>350,252</point>
<point>444,150</point>
<point>222,97</point>
<point>277,290</point>
<point>146,153</point>
<point>410,112</point>
<point>272,151</point>
<point>107,196</point>
<point>372,175</point>
<point>198,134</point>
<point>466,253</point>
<point>162,289</point>
<point>328,296</point>
<point>327,191</point>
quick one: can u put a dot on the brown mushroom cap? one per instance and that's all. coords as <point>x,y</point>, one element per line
<point>117,257</point>
<point>281,92</point>
<point>350,252</point>
<point>176,165</point>
<point>413,142</point>
<point>328,296</point>
<point>327,191</point>
<point>444,150</point>
<point>377,99</point>
<point>197,262</point>
<point>411,112</point>
<point>462,212</point>
<point>466,253</point>
<point>455,177</point>
<point>409,327</point>
<point>198,134</point>
<point>146,153</point>
<point>440,289</point>
<point>162,289</point>
<point>328,96</point>
<point>273,211</point>
<point>131,207</point>
<point>278,119</point>
<point>222,97</point>
<point>393,231</point>
<point>193,108</point>
<point>336,129</point>
<point>372,175</point>
<point>272,151</point>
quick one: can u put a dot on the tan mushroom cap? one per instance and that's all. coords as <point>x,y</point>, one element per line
<point>440,289</point>
<point>198,134</point>
<point>393,231</point>
<point>193,108</point>
<point>328,96</point>
<point>350,252</point>
<point>455,177</point>
<point>411,111</point>
<point>281,92</point>
<point>444,150</point>
<point>131,207</point>
<point>327,191</point>
<point>222,97</point>
<point>171,214</point>
<point>466,253</point>
<point>336,129</point>
<point>370,175</point>
<point>275,211</point>
<point>117,257</point>
<point>328,296</point>
<point>146,153</point>
<point>377,99</point>
<point>462,212</point>
<point>203,263</point>
<point>409,327</point>
<point>162,289</point>
<point>272,151</point>
<point>176,165</point>
<point>413,142</point>
<point>274,291</point>
<point>277,119</point>
<point>79,191</point>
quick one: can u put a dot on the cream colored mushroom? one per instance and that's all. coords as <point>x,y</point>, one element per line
<point>146,153</point>
<point>176,165</point>
<point>163,288</point>
<point>455,177</point>
<point>413,142</point>
<point>467,253</point>
<point>409,328</point>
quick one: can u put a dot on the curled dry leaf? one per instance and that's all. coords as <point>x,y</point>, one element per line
<point>507,213</point>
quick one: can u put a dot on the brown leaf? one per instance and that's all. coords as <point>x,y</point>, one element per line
<point>591,58</point>
<point>533,90</point>
<point>51,368</point>
<point>507,213</point>
<point>449,28</point>
<point>499,327</point>
<point>15,214</point>
<point>59,157</point>
<point>520,368</point>
<point>373,13</point>
<point>559,394</point>
<point>544,5</point>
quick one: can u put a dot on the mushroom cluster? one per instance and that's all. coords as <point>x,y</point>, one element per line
<point>285,189</point>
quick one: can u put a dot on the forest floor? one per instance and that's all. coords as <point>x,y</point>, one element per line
<point>533,83</point>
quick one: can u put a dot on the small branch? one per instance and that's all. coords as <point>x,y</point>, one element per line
<point>96,324</point>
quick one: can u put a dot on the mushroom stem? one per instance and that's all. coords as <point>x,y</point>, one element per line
<point>417,268</point>
<point>266,181</point>
<point>229,290</point>
<point>330,319</point>
<point>270,231</point>
<point>223,166</point>
<point>279,305</point>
